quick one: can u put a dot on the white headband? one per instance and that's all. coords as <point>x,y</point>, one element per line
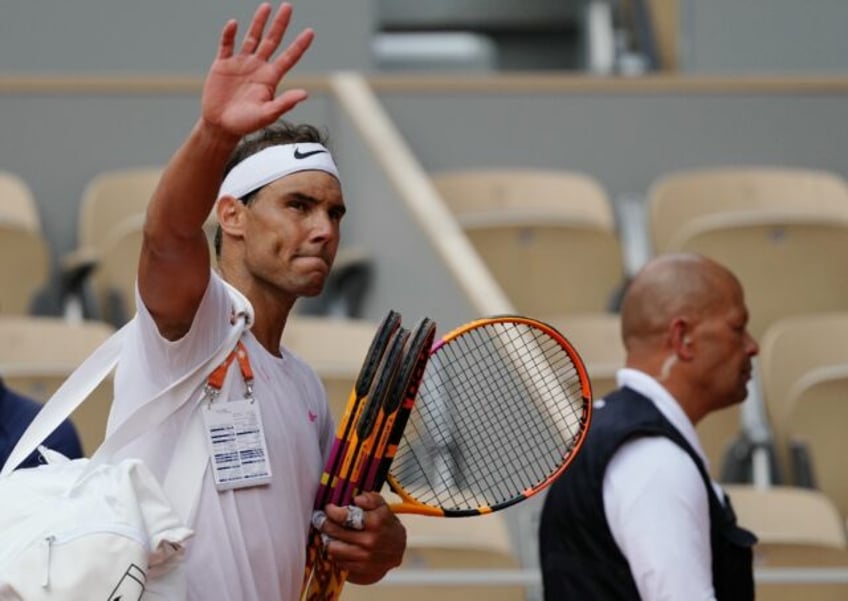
<point>274,162</point>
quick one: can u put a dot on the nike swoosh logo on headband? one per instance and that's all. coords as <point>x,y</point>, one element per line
<point>303,155</point>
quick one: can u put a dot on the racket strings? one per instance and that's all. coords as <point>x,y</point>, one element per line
<point>507,391</point>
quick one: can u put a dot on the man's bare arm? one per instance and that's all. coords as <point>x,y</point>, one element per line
<point>239,97</point>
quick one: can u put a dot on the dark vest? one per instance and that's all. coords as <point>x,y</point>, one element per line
<point>579,557</point>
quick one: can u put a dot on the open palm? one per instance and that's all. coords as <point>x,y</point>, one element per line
<point>240,93</point>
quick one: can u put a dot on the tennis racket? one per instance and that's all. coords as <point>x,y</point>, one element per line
<point>503,408</point>
<point>382,338</point>
<point>355,405</point>
<point>402,399</point>
<point>366,434</point>
<point>402,376</point>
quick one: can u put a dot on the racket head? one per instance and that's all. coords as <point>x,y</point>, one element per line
<point>385,376</point>
<point>400,401</point>
<point>370,424</point>
<point>503,408</point>
<point>354,407</point>
<point>390,324</point>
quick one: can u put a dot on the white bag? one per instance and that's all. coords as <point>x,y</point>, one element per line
<point>92,530</point>
<point>75,534</point>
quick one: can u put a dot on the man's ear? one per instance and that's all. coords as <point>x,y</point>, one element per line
<point>681,338</point>
<point>230,213</point>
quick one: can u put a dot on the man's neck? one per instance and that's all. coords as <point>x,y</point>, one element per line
<point>268,326</point>
<point>270,309</point>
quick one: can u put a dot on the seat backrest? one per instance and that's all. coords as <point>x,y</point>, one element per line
<point>810,254</point>
<point>717,432</point>
<point>817,418</point>
<point>113,280</point>
<point>547,237</point>
<point>677,198</point>
<point>597,339</point>
<point>24,268</point>
<point>24,252</point>
<point>572,195</point>
<point>421,590</point>
<point>37,354</point>
<point>447,544</point>
<point>17,205</point>
<point>796,528</point>
<point>112,196</point>
<point>789,349</point>
<point>479,542</point>
<point>335,348</point>
<point>788,515</point>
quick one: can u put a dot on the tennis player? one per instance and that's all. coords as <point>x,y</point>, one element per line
<point>279,206</point>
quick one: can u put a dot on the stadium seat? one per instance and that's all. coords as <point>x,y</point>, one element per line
<point>678,198</point>
<point>102,269</point>
<point>761,222</point>
<point>796,528</point>
<point>597,339</point>
<point>37,354</point>
<point>112,199</point>
<point>472,543</point>
<point>24,251</point>
<point>548,237</point>
<point>795,353</point>
<point>335,348</point>
<point>788,515</point>
<point>817,415</point>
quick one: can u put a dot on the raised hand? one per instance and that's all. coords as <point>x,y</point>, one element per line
<point>240,93</point>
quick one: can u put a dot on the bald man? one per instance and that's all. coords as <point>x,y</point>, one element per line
<point>637,516</point>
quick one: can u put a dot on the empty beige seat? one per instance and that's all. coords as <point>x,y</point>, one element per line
<point>769,226</point>
<point>790,350</point>
<point>110,232</point>
<point>796,528</point>
<point>680,197</point>
<point>335,348</point>
<point>112,196</point>
<point>37,354</point>
<point>548,237</point>
<point>717,433</point>
<point>113,201</point>
<point>597,339</point>
<point>788,515</point>
<point>817,420</point>
<point>472,543</point>
<point>772,256</point>
<point>24,252</point>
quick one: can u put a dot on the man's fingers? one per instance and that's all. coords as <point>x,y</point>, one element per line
<point>272,39</point>
<point>228,38</point>
<point>284,103</point>
<point>254,33</point>
<point>370,500</point>
<point>292,54</point>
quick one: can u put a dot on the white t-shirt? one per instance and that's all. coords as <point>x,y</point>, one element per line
<point>657,507</point>
<point>249,544</point>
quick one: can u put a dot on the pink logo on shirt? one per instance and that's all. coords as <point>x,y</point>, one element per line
<point>312,416</point>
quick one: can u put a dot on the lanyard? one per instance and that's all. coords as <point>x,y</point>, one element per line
<point>217,377</point>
